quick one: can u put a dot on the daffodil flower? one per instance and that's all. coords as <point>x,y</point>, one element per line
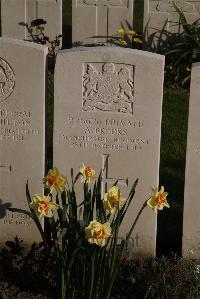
<point>97,233</point>
<point>87,173</point>
<point>112,199</point>
<point>132,32</point>
<point>55,180</point>
<point>121,31</point>
<point>122,42</point>
<point>137,40</point>
<point>43,206</point>
<point>158,200</point>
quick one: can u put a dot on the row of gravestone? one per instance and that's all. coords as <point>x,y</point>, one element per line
<point>107,111</point>
<point>92,18</point>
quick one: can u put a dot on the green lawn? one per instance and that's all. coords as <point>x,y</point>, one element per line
<point>172,168</point>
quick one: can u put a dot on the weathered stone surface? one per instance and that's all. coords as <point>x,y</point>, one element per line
<point>108,104</point>
<point>22,133</point>
<point>161,17</point>
<point>92,18</point>
<point>14,12</point>
<point>191,220</point>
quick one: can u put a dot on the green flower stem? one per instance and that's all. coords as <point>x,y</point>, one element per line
<point>63,284</point>
<point>91,275</point>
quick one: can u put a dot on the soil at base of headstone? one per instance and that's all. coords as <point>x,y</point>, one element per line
<point>10,291</point>
<point>175,88</point>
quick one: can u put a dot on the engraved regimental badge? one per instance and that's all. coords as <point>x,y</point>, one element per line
<point>7,80</point>
<point>108,87</point>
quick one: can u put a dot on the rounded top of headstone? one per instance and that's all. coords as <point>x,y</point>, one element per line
<point>108,50</point>
<point>27,44</point>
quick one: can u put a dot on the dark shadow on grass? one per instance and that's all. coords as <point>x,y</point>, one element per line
<point>172,170</point>
<point>169,232</point>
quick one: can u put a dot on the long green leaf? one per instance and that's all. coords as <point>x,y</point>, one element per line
<point>186,80</point>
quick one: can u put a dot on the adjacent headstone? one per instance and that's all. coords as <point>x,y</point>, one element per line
<point>160,17</point>
<point>22,133</point>
<point>108,105</point>
<point>191,220</point>
<point>92,18</point>
<point>14,12</point>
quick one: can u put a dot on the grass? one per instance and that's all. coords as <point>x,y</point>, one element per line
<point>158,279</point>
<point>172,169</point>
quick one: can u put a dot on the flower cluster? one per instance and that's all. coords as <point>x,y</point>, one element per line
<point>96,232</point>
<point>54,180</point>
<point>125,36</point>
<point>43,205</point>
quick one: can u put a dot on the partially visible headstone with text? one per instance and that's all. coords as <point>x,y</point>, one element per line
<point>22,133</point>
<point>108,107</point>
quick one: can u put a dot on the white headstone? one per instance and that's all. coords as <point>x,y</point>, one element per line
<point>22,133</point>
<point>14,12</point>
<point>191,220</point>
<point>108,104</point>
<point>92,18</point>
<point>162,16</point>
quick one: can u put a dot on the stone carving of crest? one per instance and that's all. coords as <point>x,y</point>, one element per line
<point>7,80</point>
<point>108,87</point>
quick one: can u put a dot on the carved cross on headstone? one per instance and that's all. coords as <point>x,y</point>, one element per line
<point>5,168</point>
<point>166,6</point>
<point>105,177</point>
<point>102,12</point>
